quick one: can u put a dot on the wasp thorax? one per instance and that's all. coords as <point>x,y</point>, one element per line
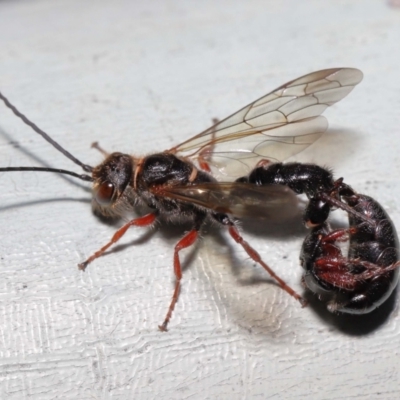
<point>111,178</point>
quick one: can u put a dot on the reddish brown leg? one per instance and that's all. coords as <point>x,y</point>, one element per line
<point>332,267</point>
<point>185,242</point>
<point>256,257</point>
<point>142,221</point>
<point>263,163</point>
<point>207,150</point>
<point>335,271</point>
<point>338,271</point>
<point>338,235</point>
<point>374,270</point>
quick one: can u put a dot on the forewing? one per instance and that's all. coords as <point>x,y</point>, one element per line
<point>274,127</point>
<point>238,199</point>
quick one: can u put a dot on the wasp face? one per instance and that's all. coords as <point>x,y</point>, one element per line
<point>111,178</point>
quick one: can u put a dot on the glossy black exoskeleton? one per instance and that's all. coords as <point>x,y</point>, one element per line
<point>363,280</point>
<point>179,183</point>
<point>309,179</point>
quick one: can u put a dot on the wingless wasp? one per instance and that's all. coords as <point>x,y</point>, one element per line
<point>181,183</point>
<point>362,281</point>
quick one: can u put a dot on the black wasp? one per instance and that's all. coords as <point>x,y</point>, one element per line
<point>365,278</point>
<point>362,281</point>
<point>181,183</point>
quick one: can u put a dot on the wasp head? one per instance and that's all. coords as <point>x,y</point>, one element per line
<point>112,180</point>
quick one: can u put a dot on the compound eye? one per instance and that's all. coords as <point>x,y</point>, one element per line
<point>105,193</point>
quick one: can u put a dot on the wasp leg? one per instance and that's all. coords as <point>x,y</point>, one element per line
<point>374,270</point>
<point>336,271</point>
<point>338,235</point>
<point>188,240</point>
<point>225,220</point>
<point>257,258</point>
<point>142,221</point>
<point>340,272</point>
<point>203,164</point>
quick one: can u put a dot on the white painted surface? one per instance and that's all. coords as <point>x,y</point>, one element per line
<point>143,77</point>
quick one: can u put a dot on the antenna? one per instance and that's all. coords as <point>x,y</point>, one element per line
<point>84,177</point>
<point>85,167</point>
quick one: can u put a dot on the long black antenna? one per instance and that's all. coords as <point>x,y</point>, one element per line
<point>84,177</point>
<point>85,167</point>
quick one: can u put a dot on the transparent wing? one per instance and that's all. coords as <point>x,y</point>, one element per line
<point>238,199</point>
<point>274,127</point>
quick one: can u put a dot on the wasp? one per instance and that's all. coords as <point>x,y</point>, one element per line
<point>361,281</point>
<point>364,279</point>
<point>193,181</point>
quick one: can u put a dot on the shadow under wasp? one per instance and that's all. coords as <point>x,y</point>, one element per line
<point>181,184</point>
